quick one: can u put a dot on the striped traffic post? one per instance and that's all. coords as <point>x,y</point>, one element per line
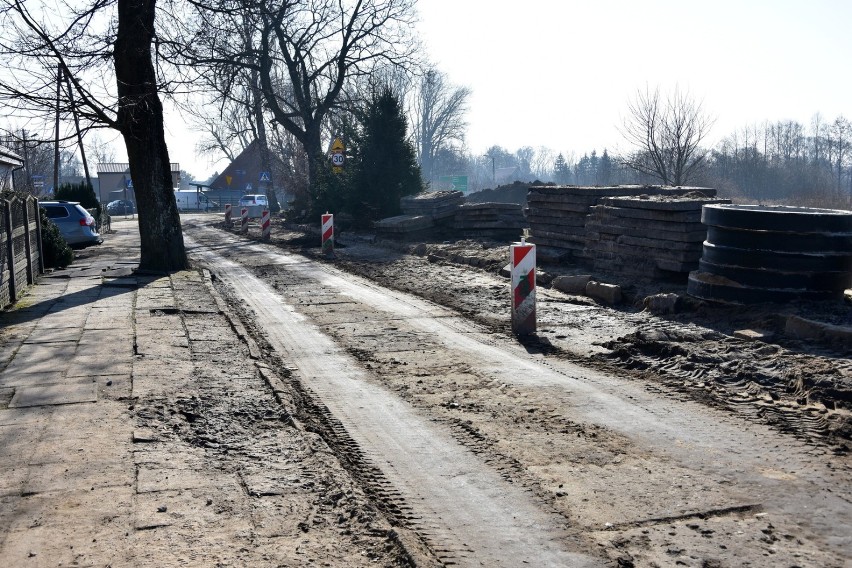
<point>522,260</point>
<point>244,220</point>
<point>328,234</point>
<point>265,229</point>
<point>228,213</point>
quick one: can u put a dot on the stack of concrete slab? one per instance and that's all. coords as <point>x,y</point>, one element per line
<point>434,204</point>
<point>404,226</point>
<point>652,236</point>
<point>557,214</point>
<point>490,220</point>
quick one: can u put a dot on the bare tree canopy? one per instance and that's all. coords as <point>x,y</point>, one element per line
<point>304,53</point>
<point>666,134</point>
<point>438,116</point>
<point>102,51</point>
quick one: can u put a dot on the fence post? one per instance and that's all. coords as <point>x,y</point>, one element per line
<point>28,245</point>
<point>10,244</point>
<point>522,259</point>
<point>38,240</point>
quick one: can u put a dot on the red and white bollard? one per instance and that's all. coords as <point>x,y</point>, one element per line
<point>228,213</point>
<point>328,234</point>
<point>265,227</point>
<point>244,220</point>
<point>522,260</point>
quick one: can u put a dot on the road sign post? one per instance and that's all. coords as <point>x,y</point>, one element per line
<point>522,260</point>
<point>338,156</point>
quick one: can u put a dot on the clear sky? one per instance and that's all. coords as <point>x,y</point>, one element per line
<point>559,73</point>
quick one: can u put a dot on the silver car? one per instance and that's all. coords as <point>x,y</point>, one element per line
<point>74,222</point>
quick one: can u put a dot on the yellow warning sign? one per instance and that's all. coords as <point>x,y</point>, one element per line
<point>337,145</point>
<point>228,179</point>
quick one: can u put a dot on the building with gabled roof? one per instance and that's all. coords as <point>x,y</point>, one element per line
<point>9,162</point>
<point>245,175</point>
<point>115,183</point>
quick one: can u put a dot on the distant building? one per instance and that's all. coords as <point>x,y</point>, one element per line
<point>115,182</point>
<point>244,175</point>
<point>9,162</point>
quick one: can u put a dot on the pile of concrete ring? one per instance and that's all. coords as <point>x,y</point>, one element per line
<point>759,253</point>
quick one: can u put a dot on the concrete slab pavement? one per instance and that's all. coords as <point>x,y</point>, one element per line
<point>109,455</point>
<point>75,489</point>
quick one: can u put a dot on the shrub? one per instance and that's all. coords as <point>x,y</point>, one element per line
<point>82,192</point>
<point>57,253</point>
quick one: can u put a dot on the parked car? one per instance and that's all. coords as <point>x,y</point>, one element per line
<point>74,222</point>
<point>121,207</point>
<point>255,203</point>
<point>249,200</point>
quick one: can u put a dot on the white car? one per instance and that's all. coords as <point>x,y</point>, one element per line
<point>255,203</point>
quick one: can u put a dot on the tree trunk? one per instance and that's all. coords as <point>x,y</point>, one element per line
<point>140,120</point>
<point>263,141</point>
<point>313,147</point>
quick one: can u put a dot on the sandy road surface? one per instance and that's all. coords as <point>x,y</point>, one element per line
<point>605,464</point>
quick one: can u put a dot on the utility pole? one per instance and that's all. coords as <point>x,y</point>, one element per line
<point>56,137</point>
<point>27,161</point>
<point>79,134</point>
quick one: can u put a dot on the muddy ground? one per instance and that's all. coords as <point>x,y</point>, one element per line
<point>707,351</point>
<point>799,389</point>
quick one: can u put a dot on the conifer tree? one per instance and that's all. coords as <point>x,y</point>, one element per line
<point>387,168</point>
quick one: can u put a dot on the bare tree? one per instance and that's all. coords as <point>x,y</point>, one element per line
<point>542,163</point>
<point>101,150</point>
<point>840,137</point>
<point>43,41</point>
<point>438,116</point>
<point>666,134</point>
<point>303,51</point>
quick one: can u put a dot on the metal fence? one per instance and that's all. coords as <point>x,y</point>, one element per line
<point>21,259</point>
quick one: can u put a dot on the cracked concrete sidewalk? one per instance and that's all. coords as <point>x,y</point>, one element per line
<point>80,484</point>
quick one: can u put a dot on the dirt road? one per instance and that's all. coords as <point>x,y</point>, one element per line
<point>495,453</point>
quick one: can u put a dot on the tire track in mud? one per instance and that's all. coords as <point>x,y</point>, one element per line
<point>467,513</point>
<point>591,394</point>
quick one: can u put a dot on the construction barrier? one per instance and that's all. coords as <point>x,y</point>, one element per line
<point>228,213</point>
<point>522,260</point>
<point>265,227</point>
<point>244,220</point>
<point>328,234</point>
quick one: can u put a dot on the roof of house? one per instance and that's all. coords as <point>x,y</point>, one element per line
<point>119,168</point>
<point>245,173</point>
<point>10,158</point>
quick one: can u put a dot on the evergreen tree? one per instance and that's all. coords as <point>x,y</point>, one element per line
<point>388,167</point>
<point>605,169</point>
<point>561,171</point>
<point>81,192</point>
